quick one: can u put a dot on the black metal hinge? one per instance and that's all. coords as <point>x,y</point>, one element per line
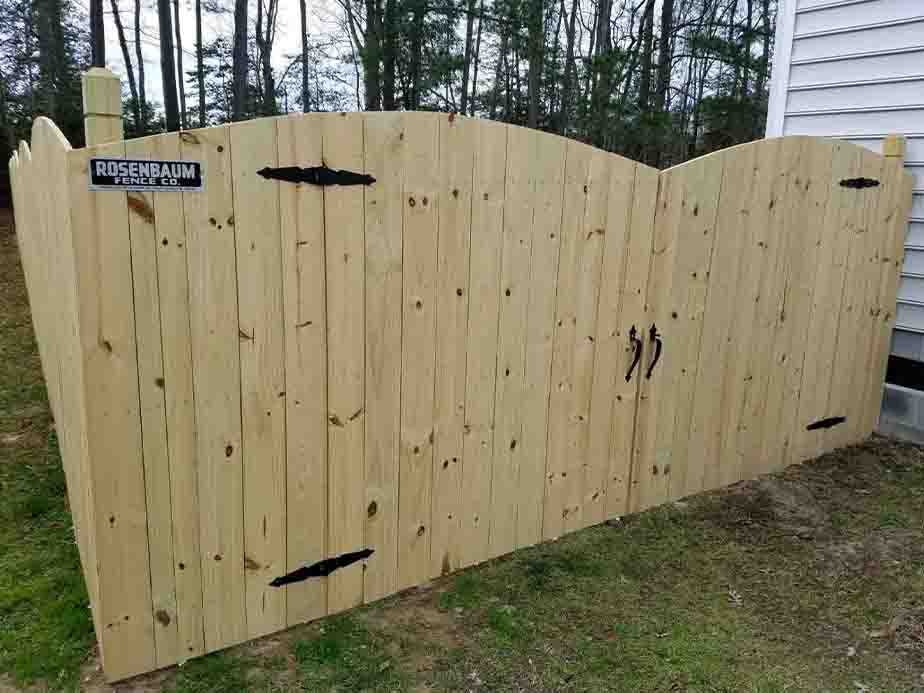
<point>859,183</point>
<point>321,568</point>
<point>826,423</point>
<point>316,175</point>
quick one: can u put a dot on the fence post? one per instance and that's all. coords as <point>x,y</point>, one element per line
<point>894,147</point>
<point>102,106</point>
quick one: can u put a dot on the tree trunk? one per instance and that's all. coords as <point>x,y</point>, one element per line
<point>644,84</point>
<point>139,59</point>
<point>476,58</point>
<point>97,34</point>
<point>664,55</point>
<point>239,61</point>
<point>126,56</point>
<point>200,65</point>
<point>536,40</point>
<point>389,55</point>
<point>467,59</point>
<point>181,81</point>
<point>417,23</point>
<point>372,56</point>
<point>569,60</point>
<point>303,13</point>
<point>167,67</point>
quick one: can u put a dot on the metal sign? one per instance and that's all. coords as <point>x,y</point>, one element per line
<point>146,174</point>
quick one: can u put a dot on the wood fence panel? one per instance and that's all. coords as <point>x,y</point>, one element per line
<point>457,158</point>
<point>99,223</point>
<point>546,224</point>
<point>170,246</point>
<point>737,379</point>
<point>853,338</point>
<point>301,211</point>
<point>569,398</point>
<point>384,160</point>
<point>634,311</point>
<point>418,347</point>
<point>142,219</point>
<point>827,298</point>
<point>894,210</point>
<point>344,208</point>
<point>806,203</point>
<point>263,381</point>
<point>216,336</point>
<point>481,369</point>
<point>693,271</point>
<point>609,338</point>
<point>511,353</point>
<point>762,366</point>
<point>435,365</point>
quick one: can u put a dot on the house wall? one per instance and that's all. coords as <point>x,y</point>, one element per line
<point>854,70</point>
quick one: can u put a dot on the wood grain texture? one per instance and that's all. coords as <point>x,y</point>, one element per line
<point>422,200</point>
<point>106,312</point>
<point>481,370</point>
<point>540,328</point>
<point>263,375</point>
<point>457,158</point>
<point>384,159</point>
<point>263,380</point>
<point>215,336</point>
<point>344,251</point>
<point>301,212</point>
<point>142,219</point>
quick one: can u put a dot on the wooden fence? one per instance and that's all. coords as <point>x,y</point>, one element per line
<point>506,337</point>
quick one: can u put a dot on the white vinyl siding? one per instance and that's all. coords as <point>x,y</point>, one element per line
<point>854,70</point>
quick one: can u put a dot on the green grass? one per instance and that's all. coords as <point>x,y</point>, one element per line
<point>46,631</point>
<point>345,656</point>
<point>712,597</point>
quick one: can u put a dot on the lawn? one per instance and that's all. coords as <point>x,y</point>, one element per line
<point>809,580</point>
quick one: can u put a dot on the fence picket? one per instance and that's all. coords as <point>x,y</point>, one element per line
<point>301,213</point>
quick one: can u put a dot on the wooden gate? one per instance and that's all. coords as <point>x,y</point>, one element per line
<point>505,337</point>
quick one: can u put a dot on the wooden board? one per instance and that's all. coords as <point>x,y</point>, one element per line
<point>384,160</point>
<point>263,379</point>
<point>634,311</point>
<point>540,326</point>
<point>848,385</point>
<point>715,369</point>
<point>727,468</point>
<point>301,212</point>
<point>345,252</point>
<point>457,157</point>
<point>142,220</point>
<point>807,202</point>
<point>422,200</point>
<point>215,337</point>
<point>516,246</point>
<point>892,227</point>
<point>481,370</point>
<point>760,411</point>
<point>894,209</point>
<point>827,297</point>
<point>684,236</point>
<point>99,222</point>
<point>170,246</point>
<point>583,219</point>
<point>612,351</point>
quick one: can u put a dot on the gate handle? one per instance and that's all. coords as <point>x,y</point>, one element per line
<point>637,343</point>
<point>656,338</point>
